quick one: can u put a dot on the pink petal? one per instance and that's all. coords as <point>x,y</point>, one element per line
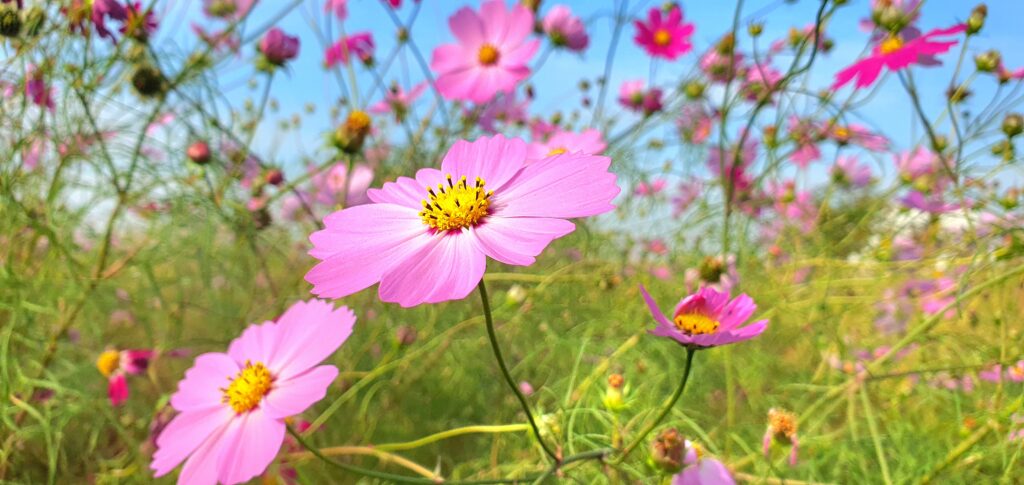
<point>256,344</point>
<point>519,240</point>
<point>405,192</point>
<point>186,432</point>
<point>249,446</point>
<point>201,387</point>
<point>298,393</point>
<point>201,467</point>
<point>736,312</point>
<point>562,186</point>
<point>309,335</point>
<point>451,57</point>
<point>494,159</point>
<point>446,268</point>
<point>655,311</point>
<point>360,244</point>
<point>467,27</point>
<point>117,389</point>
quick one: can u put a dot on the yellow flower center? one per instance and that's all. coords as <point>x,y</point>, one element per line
<point>456,206</point>
<point>696,323</point>
<point>557,151</point>
<point>108,362</point>
<point>358,122</point>
<point>248,388</point>
<point>662,37</point>
<point>488,55</point>
<point>891,44</point>
<point>841,132</point>
<point>782,424</point>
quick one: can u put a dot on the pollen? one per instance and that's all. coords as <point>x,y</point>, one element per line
<point>782,424</point>
<point>456,205</point>
<point>696,323</point>
<point>108,362</point>
<point>891,44</point>
<point>488,55</point>
<point>557,151</point>
<point>662,37</point>
<point>248,388</point>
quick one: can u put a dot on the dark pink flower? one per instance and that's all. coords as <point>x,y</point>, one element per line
<point>565,29</point>
<point>894,53</point>
<point>359,44</point>
<point>707,318</point>
<point>278,47</point>
<point>664,34</point>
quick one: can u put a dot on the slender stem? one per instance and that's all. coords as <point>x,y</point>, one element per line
<point>493,336</point>
<point>664,411</point>
<point>449,433</point>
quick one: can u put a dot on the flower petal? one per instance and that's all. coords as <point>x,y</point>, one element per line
<point>519,240</point>
<point>185,433</point>
<point>655,311</point>
<point>249,446</point>
<point>309,335</point>
<point>446,268</point>
<point>563,186</point>
<point>360,244</point>
<point>298,393</point>
<point>494,159</point>
<point>201,387</point>
<point>256,344</point>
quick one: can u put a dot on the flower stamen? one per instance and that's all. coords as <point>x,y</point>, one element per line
<point>891,44</point>
<point>456,206</point>
<point>662,37</point>
<point>695,323</point>
<point>248,388</point>
<point>488,55</point>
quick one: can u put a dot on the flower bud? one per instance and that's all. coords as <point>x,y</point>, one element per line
<point>668,451</point>
<point>406,335</point>
<point>941,143</point>
<point>274,177</point>
<point>198,152</point>
<point>532,5</point>
<point>614,395</point>
<point>694,89</point>
<point>351,135</point>
<point>35,17</point>
<point>10,21</point>
<point>755,29</point>
<point>977,19</point>
<point>1013,124</point>
<point>1010,200</point>
<point>988,61</point>
<point>770,137</point>
<point>149,82</point>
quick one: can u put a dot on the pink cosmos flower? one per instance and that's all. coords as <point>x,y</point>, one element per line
<point>645,189</point>
<point>695,124</point>
<point>721,67</point>
<point>219,40</point>
<point>994,374</point>
<point>338,7</point>
<point>504,109</point>
<point>760,83</point>
<point>858,135</point>
<point>359,44</point>
<point>101,9</point>
<point>427,239</point>
<point>1015,372</point>
<point>37,90</point>
<point>701,470</point>
<point>278,47</point>
<point>896,54</point>
<point>116,365</point>
<point>634,96</point>
<point>688,192</point>
<point>565,29</point>
<point>232,406</point>
<point>930,203</point>
<point>848,171</point>
<point>589,142</point>
<point>667,37</point>
<point>491,54</point>
<point>397,101</point>
<point>331,186</point>
<point>781,430</point>
<point>707,318</point>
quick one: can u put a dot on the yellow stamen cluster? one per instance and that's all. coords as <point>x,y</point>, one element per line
<point>557,151</point>
<point>662,37</point>
<point>248,388</point>
<point>696,323</point>
<point>488,55</point>
<point>891,44</point>
<point>108,362</point>
<point>457,205</point>
<point>782,424</point>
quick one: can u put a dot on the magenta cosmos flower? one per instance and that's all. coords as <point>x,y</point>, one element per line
<point>665,36</point>
<point>896,54</point>
<point>707,318</point>
<point>491,55</point>
<point>565,29</point>
<point>231,407</point>
<point>427,239</point>
<point>278,47</point>
<point>359,44</point>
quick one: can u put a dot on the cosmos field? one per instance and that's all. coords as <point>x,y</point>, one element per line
<point>426,241</point>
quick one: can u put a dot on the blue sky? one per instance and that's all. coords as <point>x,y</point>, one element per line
<point>556,83</point>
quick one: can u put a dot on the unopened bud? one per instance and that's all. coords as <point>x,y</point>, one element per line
<point>35,17</point>
<point>977,19</point>
<point>149,82</point>
<point>755,29</point>
<point>988,61</point>
<point>198,152</point>
<point>668,451</point>
<point>10,21</point>
<point>694,89</point>
<point>1013,124</point>
<point>351,135</point>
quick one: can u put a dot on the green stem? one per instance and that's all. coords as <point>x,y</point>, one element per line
<point>493,336</point>
<point>449,433</point>
<point>664,411</point>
